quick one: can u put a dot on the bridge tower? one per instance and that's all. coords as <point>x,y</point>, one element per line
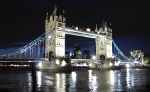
<point>104,42</point>
<point>55,39</point>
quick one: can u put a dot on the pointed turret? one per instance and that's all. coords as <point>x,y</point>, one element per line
<point>96,29</point>
<point>54,13</point>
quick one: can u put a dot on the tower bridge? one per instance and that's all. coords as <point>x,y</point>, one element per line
<point>55,43</point>
<point>51,44</point>
<point>102,42</point>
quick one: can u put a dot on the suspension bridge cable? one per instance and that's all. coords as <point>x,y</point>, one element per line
<point>119,51</point>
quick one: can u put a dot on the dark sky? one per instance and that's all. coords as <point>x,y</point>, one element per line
<point>23,20</point>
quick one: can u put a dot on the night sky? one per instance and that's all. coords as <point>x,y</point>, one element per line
<point>21,21</point>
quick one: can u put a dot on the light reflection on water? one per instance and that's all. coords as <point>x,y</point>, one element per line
<point>60,82</point>
<point>92,81</point>
<point>127,80</point>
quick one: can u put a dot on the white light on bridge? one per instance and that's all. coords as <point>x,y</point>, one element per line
<point>113,56</point>
<point>94,57</point>
<point>77,28</point>
<point>29,61</point>
<point>63,63</point>
<point>88,30</point>
<point>39,64</point>
<point>127,65</point>
<point>90,64</point>
<point>57,62</point>
<point>110,64</point>
<point>70,54</point>
<point>49,37</point>
<point>116,63</point>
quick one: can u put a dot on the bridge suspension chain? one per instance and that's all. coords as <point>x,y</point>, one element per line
<point>119,51</point>
<point>28,49</point>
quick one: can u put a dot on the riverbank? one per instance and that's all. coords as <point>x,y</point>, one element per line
<point>44,66</point>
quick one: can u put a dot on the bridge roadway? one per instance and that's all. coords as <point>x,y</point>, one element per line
<point>80,33</point>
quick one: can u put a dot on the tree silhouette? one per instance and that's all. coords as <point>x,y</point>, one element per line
<point>77,52</point>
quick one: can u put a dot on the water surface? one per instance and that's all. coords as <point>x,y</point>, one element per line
<point>126,80</point>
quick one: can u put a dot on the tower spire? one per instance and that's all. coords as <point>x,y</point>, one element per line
<point>96,29</point>
<point>54,13</point>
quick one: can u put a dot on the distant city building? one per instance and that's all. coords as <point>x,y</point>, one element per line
<point>77,53</point>
<point>137,55</point>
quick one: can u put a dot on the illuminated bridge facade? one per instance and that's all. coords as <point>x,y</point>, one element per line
<point>52,42</point>
<point>55,41</point>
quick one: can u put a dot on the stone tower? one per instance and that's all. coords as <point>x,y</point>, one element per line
<point>55,39</point>
<point>104,42</point>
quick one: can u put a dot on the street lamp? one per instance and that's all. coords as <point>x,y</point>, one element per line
<point>57,62</point>
<point>94,57</point>
<point>63,63</point>
<point>77,28</point>
<point>88,30</point>
<point>49,37</point>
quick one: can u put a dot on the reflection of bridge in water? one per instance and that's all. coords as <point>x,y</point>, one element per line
<point>51,44</point>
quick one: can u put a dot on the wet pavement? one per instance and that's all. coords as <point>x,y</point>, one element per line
<point>125,80</point>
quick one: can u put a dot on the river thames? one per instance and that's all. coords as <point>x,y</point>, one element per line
<point>125,80</point>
